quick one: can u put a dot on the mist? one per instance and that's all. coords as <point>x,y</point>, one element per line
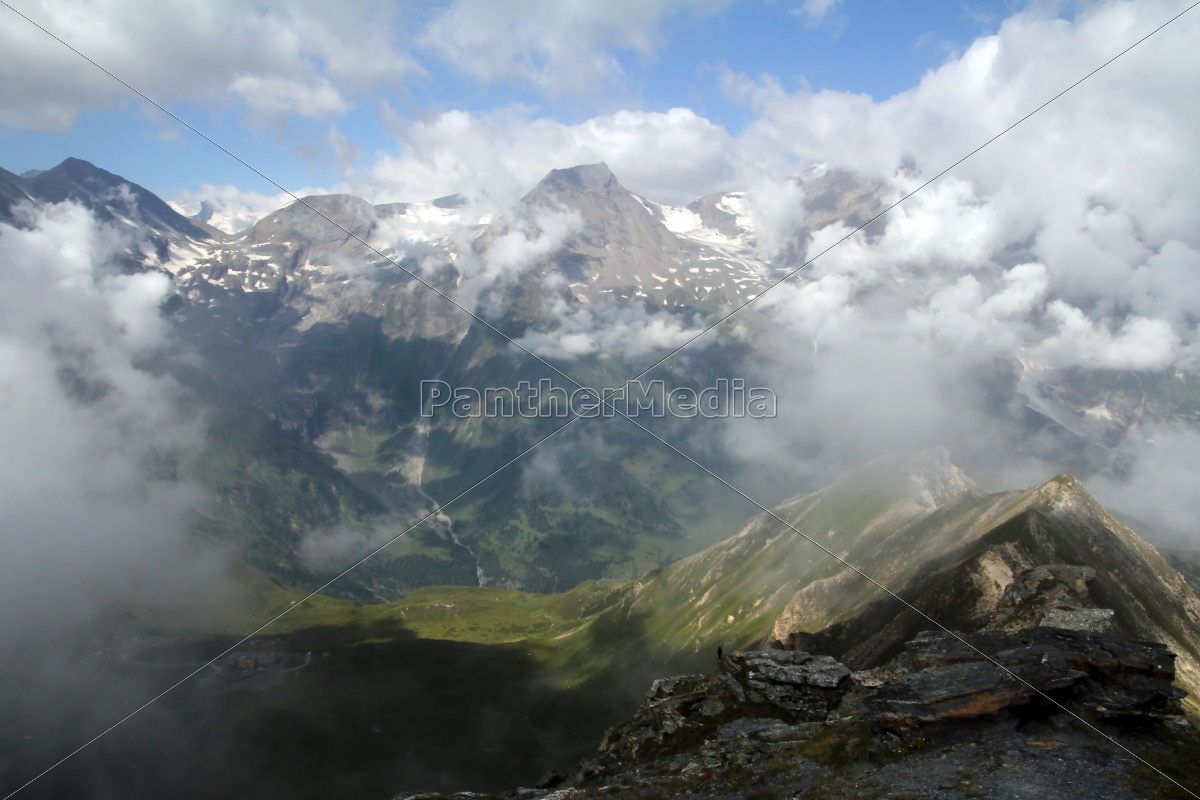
<point>1059,248</point>
<point>95,494</point>
<point>95,446</point>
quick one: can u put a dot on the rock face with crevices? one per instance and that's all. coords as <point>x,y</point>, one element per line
<point>790,686</point>
<point>972,690</point>
<point>1054,595</point>
<point>941,683</point>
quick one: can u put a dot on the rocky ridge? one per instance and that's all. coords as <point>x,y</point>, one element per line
<point>784,720</point>
<point>776,723</point>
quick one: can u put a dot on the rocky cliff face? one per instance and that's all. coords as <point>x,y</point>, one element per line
<point>625,248</point>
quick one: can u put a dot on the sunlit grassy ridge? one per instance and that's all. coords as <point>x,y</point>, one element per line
<point>731,593</point>
<point>894,519</point>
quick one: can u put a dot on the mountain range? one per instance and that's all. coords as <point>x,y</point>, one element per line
<point>312,348</point>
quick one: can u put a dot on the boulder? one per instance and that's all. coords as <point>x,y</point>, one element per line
<point>790,686</point>
<point>672,705</point>
<point>803,686</point>
<point>1124,677</point>
<point>760,704</point>
<point>970,690</point>
<point>942,679</point>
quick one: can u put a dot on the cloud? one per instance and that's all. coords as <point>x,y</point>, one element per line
<point>301,58</point>
<point>555,46</point>
<point>500,155</point>
<point>813,12</point>
<point>629,333</point>
<point>1101,226</point>
<point>231,209</point>
<point>1162,487</point>
<point>496,261</point>
<point>1059,246</point>
<point>777,208</point>
<point>272,96</point>
<point>1140,344</point>
<point>312,59</point>
<point>94,447</point>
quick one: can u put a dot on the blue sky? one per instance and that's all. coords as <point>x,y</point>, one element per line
<point>878,48</point>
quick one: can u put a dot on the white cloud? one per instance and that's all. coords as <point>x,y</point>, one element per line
<point>490,263</point>
<point>308,58</point>
<point>272,95</point>
<point>554,45</point>
<point>965,315</point>
<point>815,11</point>
<point>670,156</point>
<point>302,58</point>
<point>91,505</point>
<point>628,333</point>
<point>1139,344</point>
<point>1073,241</point>
<point>1099,193</point>
<point>1162,488</point>
<point>777,208</point>
<point>229,208</point>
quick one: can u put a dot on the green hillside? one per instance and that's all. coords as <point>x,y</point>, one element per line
<point>899,519</point>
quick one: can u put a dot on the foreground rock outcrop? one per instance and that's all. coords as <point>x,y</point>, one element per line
<point>941,679</point>
<point>782,720</point>
<point>786,685</point>
<point>942,684</point>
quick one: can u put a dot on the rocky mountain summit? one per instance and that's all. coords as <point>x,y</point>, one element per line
<point>634,249</point>
<point>991,714</point>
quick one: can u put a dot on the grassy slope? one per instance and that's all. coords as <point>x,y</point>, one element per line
<point>733,593</point>
<point>730,593</point>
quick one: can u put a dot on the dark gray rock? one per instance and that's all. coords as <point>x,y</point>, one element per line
<point>971,690</point>
<point>783,685</point>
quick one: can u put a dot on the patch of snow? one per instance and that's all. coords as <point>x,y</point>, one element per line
<point>680,220</point>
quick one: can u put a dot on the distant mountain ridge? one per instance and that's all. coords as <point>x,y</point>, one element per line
<point>318,345</point>
<point>109,196</point>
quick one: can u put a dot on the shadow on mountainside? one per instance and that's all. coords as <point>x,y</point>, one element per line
<point>358,718</point>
